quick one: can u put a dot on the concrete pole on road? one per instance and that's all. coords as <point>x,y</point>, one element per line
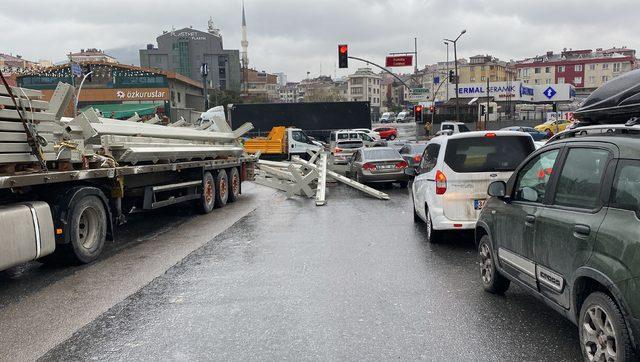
<point>455,59</point>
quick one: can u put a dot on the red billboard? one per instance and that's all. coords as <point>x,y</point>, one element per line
<point>399,60</point>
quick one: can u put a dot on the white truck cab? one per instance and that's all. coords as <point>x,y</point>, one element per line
<point>454,127</point>
<point>300,143</point>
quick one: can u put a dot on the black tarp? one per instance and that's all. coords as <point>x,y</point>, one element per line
<point>317,119</point>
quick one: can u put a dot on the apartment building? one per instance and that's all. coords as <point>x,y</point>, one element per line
<point>585,69</point>
<point>365,85</point>
<point>485,67</point>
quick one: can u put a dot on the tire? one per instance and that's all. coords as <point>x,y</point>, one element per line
<point>207,199</point>
<point>433,236</point>
<point>392,137</point>
<point>88,230</point>
<point>234,184</point>
<point>492,280</point>
<point>603,330</point>
<point>222,189</point>
<point>416,217</point>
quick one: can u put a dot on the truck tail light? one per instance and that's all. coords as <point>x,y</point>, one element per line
<point>402,164</point>
<point>368,166</point>
<point>337,150</point>
<point>441,183</point>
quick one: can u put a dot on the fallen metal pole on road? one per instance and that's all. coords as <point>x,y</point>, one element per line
<point>356,185</point>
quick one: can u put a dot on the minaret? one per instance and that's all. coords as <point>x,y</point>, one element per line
<point>244,42</point>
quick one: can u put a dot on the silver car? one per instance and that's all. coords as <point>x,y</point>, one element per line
<point>378,165</point>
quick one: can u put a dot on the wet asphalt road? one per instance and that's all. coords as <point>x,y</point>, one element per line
<point>353,280</point>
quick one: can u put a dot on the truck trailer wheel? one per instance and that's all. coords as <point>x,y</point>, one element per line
<point>88,230</point>
<point>208,198</point>
<point>222,188</point>
<point>234,184</point>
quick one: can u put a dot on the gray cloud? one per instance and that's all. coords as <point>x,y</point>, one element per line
<point>300,36</point>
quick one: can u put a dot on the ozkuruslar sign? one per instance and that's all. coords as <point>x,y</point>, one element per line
<point>516,91</point>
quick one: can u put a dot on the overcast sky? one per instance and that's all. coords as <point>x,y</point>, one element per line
<point>296,36</point>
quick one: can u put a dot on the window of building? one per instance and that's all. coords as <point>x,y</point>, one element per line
<point>547,70</point>
<point>592,79</point>
<point>493,78</point>
<point>577,67</point>
<point>473,79</point>
<point>472,68</point>
<point>482,68</point>
<point>356,90</point>
<point>577,80</point>
<point>548,81</point>
<point>616,67</point>
<point>560,68</point>
<point>537,70</point>
<point>605,78</point>
<point>483,78</point>
<point>560,80</point>
<point>179,97</point>
<point>605,65</point>
<point>537,81</point>
<point>592,67</point>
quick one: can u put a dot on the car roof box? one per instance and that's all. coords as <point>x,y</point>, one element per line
<point>616,101</point>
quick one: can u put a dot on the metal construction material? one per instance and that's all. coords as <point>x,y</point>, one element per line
<point>321,189</point>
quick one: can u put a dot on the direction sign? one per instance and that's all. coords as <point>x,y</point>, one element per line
<point>399,60</point>
<point>549,92</point>
<point>76,69</point>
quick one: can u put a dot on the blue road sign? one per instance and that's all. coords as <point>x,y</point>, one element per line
<point>76,69</point>
<point>436,80</point>
<point>549,92</point>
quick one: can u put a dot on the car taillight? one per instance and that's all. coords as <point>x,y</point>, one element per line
<point>402,164</point>
<point>441,183</point>
<point>490,135</point>
<point>337,150</point>
<point>417,158</point>
<point>368,166</point>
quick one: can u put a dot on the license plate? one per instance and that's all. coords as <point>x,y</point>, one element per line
<point>384,167</point>
<point>478,204</point>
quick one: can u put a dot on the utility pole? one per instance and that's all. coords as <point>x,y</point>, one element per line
<point>204,71</point>
<point>447,76</point>
<point>455,57</point>
<point>415,49</point>
<point>486,113</point>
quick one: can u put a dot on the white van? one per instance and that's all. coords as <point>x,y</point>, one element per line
<point>343,144</point>
<point>455,172</point>
<point>404,117</point>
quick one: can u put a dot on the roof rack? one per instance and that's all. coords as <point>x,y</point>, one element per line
<point>630,128</point>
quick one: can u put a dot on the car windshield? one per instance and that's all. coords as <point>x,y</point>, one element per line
<point>463,128</point>
<point>487,154</point>
<point>447,127</point>
<point>380,154</point>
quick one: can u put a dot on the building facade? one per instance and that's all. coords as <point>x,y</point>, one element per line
<point>261,85</point>
<point>288,93</point>
<point>485,67</point>
<point>365,85</point>
<point>91,55</point>
<point>117,84</point>
<point>184,51</point>
<point>585,69</point>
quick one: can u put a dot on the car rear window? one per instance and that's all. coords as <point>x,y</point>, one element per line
<point>349,144</point>
<point>487,154</point>
<point>417,149</point>
<point>380,153</point>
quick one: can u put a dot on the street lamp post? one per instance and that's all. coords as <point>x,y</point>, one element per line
<point>75,105</point>
<point>455,59</point>
<point>447,76</point>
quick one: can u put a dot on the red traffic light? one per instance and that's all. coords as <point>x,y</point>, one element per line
<point>418,108</point>
<point>343,49</point>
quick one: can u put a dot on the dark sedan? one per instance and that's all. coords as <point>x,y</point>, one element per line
<point>412,153</point>
<point>378,165</point>
<point>537,135</point>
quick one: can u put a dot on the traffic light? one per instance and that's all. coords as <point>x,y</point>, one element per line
<point>452,77</point>
<point>417,113</point>
<point>432,109</point>
<point>343,56</point>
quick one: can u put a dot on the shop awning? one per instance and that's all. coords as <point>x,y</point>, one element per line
<point>124,110</point>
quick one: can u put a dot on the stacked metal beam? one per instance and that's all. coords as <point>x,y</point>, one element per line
<point>13,138</point>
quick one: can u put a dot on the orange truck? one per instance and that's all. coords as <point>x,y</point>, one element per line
<point>282,143</point>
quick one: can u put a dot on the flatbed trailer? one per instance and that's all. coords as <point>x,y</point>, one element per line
<point>69,214</point>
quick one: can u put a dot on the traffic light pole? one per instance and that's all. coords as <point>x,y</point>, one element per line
<point>383,68</point>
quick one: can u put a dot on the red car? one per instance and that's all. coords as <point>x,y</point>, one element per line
<point>387,133</point>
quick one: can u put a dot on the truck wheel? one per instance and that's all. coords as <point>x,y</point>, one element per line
<point>208,198</point>
<point>222,188</point>
<point>492,280</point>
<point>234,184</point>
<point>603,332</point>
<point>88,230</point>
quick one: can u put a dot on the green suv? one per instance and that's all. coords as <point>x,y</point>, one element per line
<point>566,227</point>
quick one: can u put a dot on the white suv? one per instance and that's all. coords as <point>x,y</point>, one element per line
<point>455,171</point>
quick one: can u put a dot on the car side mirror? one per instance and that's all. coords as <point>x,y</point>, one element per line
<point>497,189</point>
